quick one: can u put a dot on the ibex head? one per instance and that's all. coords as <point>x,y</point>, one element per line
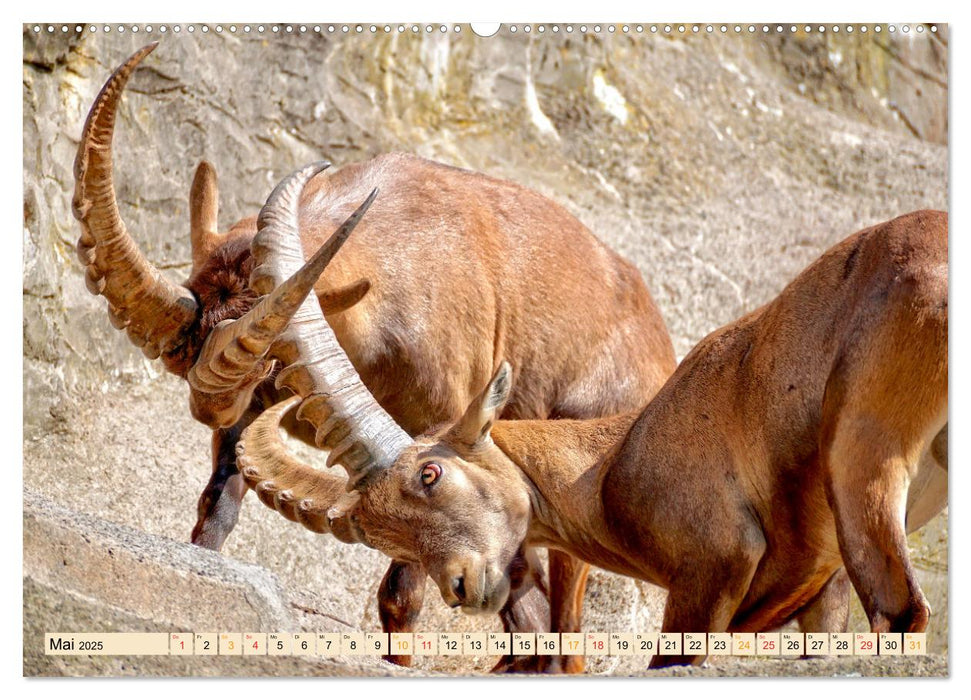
<point>210,331</point>
<point>454,502</point>
<point>451,501</point>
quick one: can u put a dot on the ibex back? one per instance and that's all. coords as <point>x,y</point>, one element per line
<point>449,272</point>
<point>781,450</point>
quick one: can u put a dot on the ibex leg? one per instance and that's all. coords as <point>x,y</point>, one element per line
<point>927,496</point>
<point>687,611</point>
<point>400,598</point>
<point>868,493</point>
<point>568,582</point>
<point>874,433</point>
<point>706,596</point>
<point>219,503</point>
<point>829,611</point>
<point>928,490</point>
<point>529,611</point>
<point>526,610</point>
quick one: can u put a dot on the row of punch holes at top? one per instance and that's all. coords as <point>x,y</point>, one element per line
<point>484,30</point>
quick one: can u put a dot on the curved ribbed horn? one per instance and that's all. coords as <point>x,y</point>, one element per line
<point>299,492</point>
<point>234,347</point>
<point>155,312</point>
<point>360,434</point>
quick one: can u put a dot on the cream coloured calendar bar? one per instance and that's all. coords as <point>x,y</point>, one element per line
<point>107,644</point>
<point>791,644</point>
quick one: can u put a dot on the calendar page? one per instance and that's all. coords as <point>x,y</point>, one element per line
<point>658,408</point>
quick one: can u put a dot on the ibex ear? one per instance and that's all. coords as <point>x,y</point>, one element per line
<point>334,301</point>
<point>473,428</point>
<point>203,213</point>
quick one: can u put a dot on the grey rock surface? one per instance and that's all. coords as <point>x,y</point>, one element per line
<point>83,573</point>
<point>720,165</point>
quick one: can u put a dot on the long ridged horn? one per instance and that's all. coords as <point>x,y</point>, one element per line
<point>155,312</point>
<point>234,347</point>
<point>298,491</point>
<point>360,434</point>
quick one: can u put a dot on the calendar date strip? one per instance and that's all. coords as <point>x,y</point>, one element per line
<point>763,644</point>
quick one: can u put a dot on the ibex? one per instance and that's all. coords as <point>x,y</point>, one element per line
<point>450,271</point>
<point>781,450</point>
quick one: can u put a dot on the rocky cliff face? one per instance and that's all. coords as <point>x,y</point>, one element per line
<point>721,165</point>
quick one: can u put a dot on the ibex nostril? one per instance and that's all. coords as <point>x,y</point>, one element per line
<point>458,588</point>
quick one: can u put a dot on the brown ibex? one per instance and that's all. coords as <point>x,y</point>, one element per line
<point>449,271</point>
<point>781,450</point>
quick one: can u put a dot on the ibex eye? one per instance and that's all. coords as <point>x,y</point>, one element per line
<point>430,473</point>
